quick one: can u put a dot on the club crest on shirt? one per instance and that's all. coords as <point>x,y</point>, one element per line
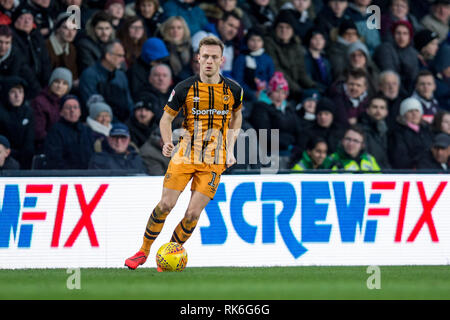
<point>171,95</point>
<point>226,98</point>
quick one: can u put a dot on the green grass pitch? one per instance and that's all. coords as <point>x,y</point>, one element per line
<point>277,283</point>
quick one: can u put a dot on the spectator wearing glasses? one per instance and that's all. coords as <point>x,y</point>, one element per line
<point>351,154</point>
<point>132,35</point>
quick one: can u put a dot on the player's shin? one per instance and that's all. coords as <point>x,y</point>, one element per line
<point>154,226</point>
<point>183,230</point>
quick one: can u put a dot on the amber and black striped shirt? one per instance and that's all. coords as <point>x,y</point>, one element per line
<point>207,111</point>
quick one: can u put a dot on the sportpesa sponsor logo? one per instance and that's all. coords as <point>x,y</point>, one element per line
<point>196,111</point>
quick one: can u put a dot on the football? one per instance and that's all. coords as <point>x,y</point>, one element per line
<point>171,257</point>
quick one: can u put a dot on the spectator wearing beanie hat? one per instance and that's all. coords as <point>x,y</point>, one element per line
<point>46,104</point>
<point>61,49</point>
<point>306,109</point>
<point>31,44</point>
<point>399,56</point>
<point>7,162</point>
<point>288,55</point>
<point>99,119</point>
<point>411,137</point>
<point>63,74</point>
<point>426,43</point>
<point>358,12</point>
<point>116,8</point>
<point>154,51</point>
<point>398,10</point>
<point>142,122</point>
<point>278,113</point>
<point>358,57</point>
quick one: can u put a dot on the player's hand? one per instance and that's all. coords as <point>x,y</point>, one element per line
<point>167,149</point>
<point>230,159</point>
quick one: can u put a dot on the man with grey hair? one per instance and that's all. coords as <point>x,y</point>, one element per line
<point>106,78</point>
<point>389,88</point>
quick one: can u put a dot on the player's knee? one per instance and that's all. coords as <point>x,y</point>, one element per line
<point>191,215</point>
<point>166,205</point>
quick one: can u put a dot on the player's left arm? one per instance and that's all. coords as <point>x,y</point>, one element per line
<point>234,128</point>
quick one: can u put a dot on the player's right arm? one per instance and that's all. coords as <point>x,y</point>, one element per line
<point>176,101</point>
<point>165,126</point>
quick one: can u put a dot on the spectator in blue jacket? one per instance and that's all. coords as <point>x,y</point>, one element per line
<point>106,78</point>
<point>189,10</point>
<point>254,68</point>
<point>117,153</point>
<point>69,143</point>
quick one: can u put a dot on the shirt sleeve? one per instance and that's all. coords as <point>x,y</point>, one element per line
<point>176,100</point>
<point>238,94</point>
<point>238,100</point>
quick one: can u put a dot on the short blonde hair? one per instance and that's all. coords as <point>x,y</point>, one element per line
<point>211,41</point>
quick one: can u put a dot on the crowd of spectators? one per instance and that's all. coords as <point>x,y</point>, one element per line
<point>88,92</point>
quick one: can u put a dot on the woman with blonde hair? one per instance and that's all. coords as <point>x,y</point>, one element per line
<point>177,37</point>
